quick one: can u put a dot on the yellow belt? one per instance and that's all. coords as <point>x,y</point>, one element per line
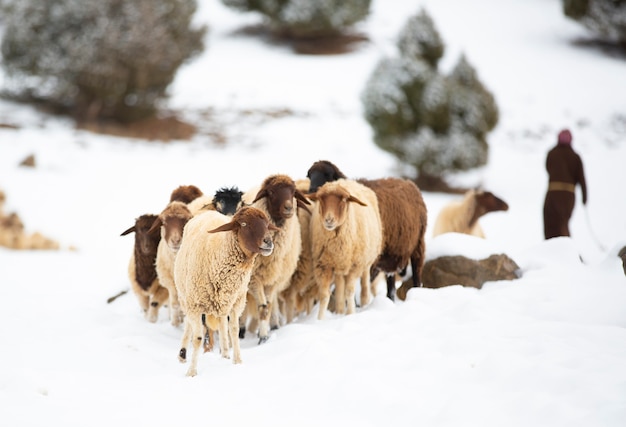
<point>561,186</point>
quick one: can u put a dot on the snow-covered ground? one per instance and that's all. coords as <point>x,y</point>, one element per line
<point>548,349</point>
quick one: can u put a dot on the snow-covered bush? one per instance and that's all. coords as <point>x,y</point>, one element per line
<point>605,18</point>
<point>306,18</point>
<point>98,58</point>
<point>436,123</point>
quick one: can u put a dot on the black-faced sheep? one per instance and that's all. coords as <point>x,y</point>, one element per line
<point>142,270</point>
<point>404,218</point>
<point>346,236</point>
<point>171,222</point>
<point>279,199</point>
<point>225,200</point>
<point>462,216</point>
<point>212,271</point>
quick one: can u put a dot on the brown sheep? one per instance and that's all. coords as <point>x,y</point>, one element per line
<point>185,194</point>
<point>462,216</point>
<point>404,217</point>
<point>279,199</point>
<point>142,270</point>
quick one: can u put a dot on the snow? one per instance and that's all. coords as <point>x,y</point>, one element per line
<point>548,349</point>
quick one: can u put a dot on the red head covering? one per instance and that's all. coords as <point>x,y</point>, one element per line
<point>565,137</point>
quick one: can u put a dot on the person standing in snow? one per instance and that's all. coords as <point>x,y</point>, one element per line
<point>565,171</point>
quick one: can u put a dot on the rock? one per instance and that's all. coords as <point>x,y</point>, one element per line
<point>459,270</point>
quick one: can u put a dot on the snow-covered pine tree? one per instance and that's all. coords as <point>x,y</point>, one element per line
<point>436,123</point>
<point>98,58</point>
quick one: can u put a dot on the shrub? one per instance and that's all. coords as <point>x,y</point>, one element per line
<point>109,59</point>
<point>306,18</point>
<point>605,18</point>
<point>433,122</point>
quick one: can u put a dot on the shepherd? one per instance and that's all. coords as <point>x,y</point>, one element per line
<point>565,171</point>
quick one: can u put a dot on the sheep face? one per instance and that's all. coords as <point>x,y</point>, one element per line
<point>227,200</point>
<point>172,222</point>
<point>333,204</point>
<point>280,192</point>
<point>146,241</point>
<point>490,202</point>
<point>254,231</point>
<point>322,172</point>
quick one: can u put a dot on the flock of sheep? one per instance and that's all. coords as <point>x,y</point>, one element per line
<point>234,262</point>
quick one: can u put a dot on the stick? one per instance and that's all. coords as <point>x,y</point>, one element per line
<point>114,297</point>
<point>593,235</point>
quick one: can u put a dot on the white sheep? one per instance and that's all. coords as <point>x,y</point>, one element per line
<point>346,236</point>
<point>212,271</point>
<point>461,216</point>
<point>279,199</point>
<point>171,222</point>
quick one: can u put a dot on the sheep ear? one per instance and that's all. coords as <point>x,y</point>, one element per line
<point>229,226</point>
<point>155,225</point>
<point>301,197</point>
<point>355,200</point>
<point>260,195</point>
<point>301,205</point>
<point>272,227</point>
<point>130,230</point>
<point>312,196</point>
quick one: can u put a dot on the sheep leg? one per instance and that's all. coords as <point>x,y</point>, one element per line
<point>263,306</point>
<point>223,337</point>
<point>367,285</point>
<point>324,280</point>
<point>350,291</point>
<point>391,285</point>
<point>197,335</point>
<point>233,325</point>
<point>182,354</point>
<point>340,294</point>
<point>157,299</point>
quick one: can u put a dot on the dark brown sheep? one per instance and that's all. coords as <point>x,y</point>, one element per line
<point>142,270</point>
<point>404,217</point>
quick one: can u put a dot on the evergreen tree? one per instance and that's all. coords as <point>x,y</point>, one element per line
<point>605,18</point>
<point>436,123</point>
<point>306,18</point>
<point>98,58</point>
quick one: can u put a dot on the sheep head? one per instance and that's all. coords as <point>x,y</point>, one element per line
<point>172,222</point>
<point>280,191</point>
<point>333,202</point>
<point>185,194</point>
<point>322,172</point>
<point>146,240</point>
<point>488,202</point>
<point>227,200</point>
<point>254,231</point>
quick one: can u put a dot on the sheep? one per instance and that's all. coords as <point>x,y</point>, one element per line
<point>171,222</point>
<point>300,294</point>
<point>212,271</point>
<point>185,194</point>
<point>461,216</point>
<point>404,217</point>
<point>404,220</point>
<point>142,270</point>
<point>225,200</point>
<point>279,199</point>
<point>346,236</point>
